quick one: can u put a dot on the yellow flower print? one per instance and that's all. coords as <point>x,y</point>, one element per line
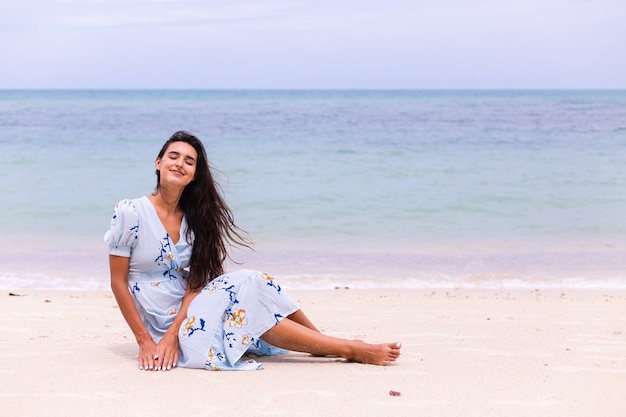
<point>189,325</point>
<point>172,311</point>
<point>211,355</point>
<point>268,277</point>
<point>238,318</point>
<point>245,340</point>
<point>169,256</point>
<point>156,284</point>
<point>270,281</point>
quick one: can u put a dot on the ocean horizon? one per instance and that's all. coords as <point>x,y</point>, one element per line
<point>337,188</point>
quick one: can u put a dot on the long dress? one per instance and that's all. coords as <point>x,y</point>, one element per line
<point>224,321</point>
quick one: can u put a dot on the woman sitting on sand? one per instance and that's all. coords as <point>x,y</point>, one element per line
<point>168,249</point>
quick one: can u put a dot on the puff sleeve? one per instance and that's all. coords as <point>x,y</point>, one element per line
<point>122,236</point>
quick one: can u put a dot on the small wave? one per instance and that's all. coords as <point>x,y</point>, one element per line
<point>17,282</point>
<point>67,282</point>
<point>321,282</point>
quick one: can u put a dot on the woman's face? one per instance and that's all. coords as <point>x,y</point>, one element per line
<point>178,164</point>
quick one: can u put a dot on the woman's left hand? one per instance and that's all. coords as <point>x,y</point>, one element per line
<point>166,356</point>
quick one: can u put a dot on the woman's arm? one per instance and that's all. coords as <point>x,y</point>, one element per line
<point>119,285</point>
<point>167,348</point>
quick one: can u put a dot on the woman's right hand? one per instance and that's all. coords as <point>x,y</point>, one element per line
<point>147,352</point>
<point>119,266</point>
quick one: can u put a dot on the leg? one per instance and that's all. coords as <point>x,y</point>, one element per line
<point>291,335</point>
<point>300,318</point>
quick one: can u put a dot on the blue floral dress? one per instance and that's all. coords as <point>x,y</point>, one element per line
<point>224,321</point>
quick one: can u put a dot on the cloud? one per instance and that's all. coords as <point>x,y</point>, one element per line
<point>315,43</point>
<point>116,13</point>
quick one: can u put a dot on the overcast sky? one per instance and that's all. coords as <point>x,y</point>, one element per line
<point>313,44</point>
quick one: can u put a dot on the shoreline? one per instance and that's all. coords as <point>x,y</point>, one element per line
<point>85,268</point>
<point>465,352</point>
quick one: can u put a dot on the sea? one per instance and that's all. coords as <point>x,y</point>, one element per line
<point>432,189</point>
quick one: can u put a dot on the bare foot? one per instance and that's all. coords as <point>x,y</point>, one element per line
<point>375,354</point>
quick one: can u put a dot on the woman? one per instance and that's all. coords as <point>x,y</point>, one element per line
<point>168,249</point>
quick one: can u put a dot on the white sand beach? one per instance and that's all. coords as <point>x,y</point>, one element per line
<point>465,353</point>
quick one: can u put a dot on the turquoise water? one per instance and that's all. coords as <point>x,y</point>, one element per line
<point>336,188</point>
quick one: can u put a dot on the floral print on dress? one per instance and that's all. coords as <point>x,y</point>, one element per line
<point>214,360</point>
<point>189,326</point>
<point>237,318</point>
<point>271,282</point>
<point>165,252</point>
<point>124,230</point>
<point>134,230</point>
<point>167,258</point>
<point>230,337</point>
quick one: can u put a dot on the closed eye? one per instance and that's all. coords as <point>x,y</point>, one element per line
<point>189,160</point>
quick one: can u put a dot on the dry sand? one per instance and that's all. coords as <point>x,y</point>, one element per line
<point>465,353</point>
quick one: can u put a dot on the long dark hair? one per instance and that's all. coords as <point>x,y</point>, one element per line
<point>211,223</point>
